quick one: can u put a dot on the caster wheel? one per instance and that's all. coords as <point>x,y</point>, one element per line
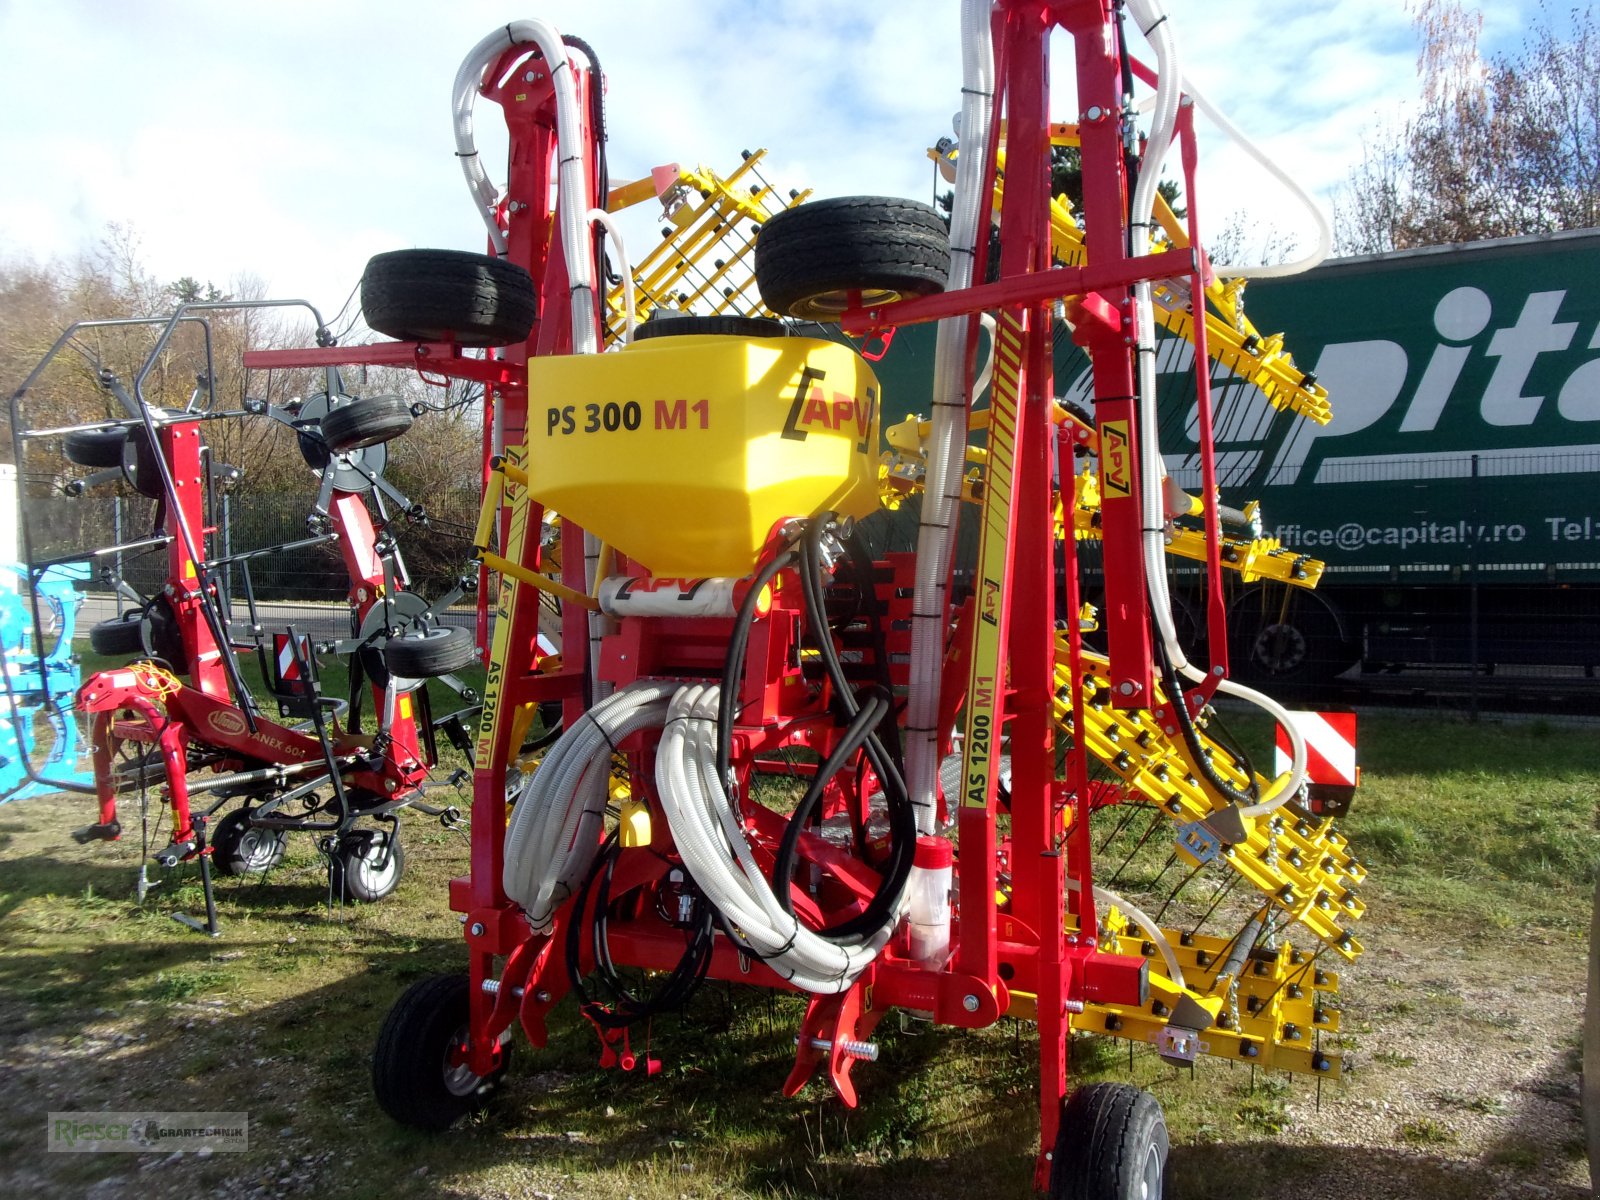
<point>367,866</point>
<point>419,1070</point>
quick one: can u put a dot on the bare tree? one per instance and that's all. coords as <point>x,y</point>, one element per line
<point>1503,146</point>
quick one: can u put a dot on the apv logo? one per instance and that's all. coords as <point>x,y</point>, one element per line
<point>812,409</point>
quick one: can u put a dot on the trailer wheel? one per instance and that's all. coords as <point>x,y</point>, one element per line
<point>116,636</point>
<point>1112,1145</point>
<point>239,848</point>
<point>428,653</point>
<point>99,448</point>
<point>419,1071</point>
<point>811,257</point>
<point>1294,639</point>
<point>365,422</point>
<point>367,866</point>
<point>448,296</point>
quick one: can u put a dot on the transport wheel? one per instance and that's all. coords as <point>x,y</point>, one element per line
<point>367,867</point>
<point>238,848</point>
<point>116,636</point>
<point>97,448</point>
<point>1297,642</point>
<point>426,653</point>
<point>144,471</point>
<point>365,422</point>
<point>809,258</point>
<point>419,1072</point>
<point>448,295</point>
<point>684,325</point>
<point>1112,1145</point>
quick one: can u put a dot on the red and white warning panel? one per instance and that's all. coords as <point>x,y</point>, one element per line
<point>1331,769</point>
<point>288,663</point>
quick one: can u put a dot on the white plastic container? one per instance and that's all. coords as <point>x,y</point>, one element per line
<point>928,889</point>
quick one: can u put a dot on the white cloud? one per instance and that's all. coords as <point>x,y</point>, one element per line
<point>295,141</point>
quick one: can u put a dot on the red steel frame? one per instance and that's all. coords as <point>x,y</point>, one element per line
<point>1002,953</point>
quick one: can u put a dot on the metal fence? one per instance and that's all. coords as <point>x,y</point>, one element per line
<point>1462,579</point>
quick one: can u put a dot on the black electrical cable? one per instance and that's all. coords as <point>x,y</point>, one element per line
<point>1191,734</point>
<point>733,669</point>
<point>680,985</point>
<point>857,732</point>
<point>597,120</point>
<point>627,1009</point>
<point>902,816</point>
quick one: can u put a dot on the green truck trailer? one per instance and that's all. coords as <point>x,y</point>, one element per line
<point>1455,495</point>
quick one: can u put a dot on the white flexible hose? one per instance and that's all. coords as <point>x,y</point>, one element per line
<point>1154,932</point>
<point>1150,14</point>
<point>574,206</point>
<point>1319,218</point>
<point>554,831</point>
<point>575,190</point>
<point>602,218</point>
<point>947,439</point>
<point>709,835</point>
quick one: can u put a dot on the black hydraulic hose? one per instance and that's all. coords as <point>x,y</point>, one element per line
<point>672,994</point>
<point>866,582</point>
<point>733,669</point>
<point>858,731</point>
<point>897,799</point>
<point>1191,734</point>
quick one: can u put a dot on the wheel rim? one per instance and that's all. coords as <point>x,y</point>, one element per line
<point>258,848</point>
<point>366,869</point>
<point>1150,1177</point>
<point>1280,648</point>
<point>831,305</point>
<point>459,1079</point>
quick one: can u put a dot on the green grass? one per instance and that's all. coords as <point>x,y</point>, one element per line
<point>105,1004</point>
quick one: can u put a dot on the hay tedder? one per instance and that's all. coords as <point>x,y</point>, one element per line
<point>180,717</point>
<point>982,783</point>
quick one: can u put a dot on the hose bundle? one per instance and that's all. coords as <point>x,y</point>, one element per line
<point>554,832</point>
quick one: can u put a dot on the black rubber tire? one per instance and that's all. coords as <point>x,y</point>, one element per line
<point>145,471</point>
<point>354,872</point>
<point>412,1078</point>
<point>686,326</point>
<point>97,448</point>
<point>1298,642</point>
<point>365,422</point>
<point>448,296</point>
<point>117,636</point>
<point>238,848</point>
<point>1112,1145</point>
<point>809,258</point>
<point>430,652</point>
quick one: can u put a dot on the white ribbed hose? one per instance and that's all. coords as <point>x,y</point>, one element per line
<point>554,831</point>
<point>708,833</point>
<point>947,440</point>
<point>1150,14</point>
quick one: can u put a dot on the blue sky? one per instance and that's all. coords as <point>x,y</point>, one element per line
<point>293,141</point>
